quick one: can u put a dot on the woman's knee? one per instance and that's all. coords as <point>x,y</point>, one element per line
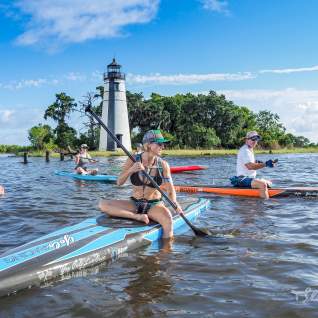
<point>167,216</point>
<point>160,214</point>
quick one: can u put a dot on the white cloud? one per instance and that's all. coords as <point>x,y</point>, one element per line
<point>298,109</point>
<point>291,70</point>
<point>156,79</point>
<point>6,115</point>
<point>15,85</point>
<point>75,77</point>
<point>183,79</point>
<point>216,5</point>
<point>97,75</point>
<point>31,83</point>
<point>73,21</point>
<point>50,81</point>
<point>308,122</point>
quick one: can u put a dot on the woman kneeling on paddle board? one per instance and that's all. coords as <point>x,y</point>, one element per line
<point>146,202</point>
<point>82,159</point>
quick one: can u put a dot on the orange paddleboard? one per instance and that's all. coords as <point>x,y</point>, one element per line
<point>247,192</point>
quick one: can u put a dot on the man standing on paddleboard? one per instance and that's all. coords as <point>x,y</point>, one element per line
<point>246,166</point>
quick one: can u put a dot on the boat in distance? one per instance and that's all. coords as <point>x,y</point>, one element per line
<point>310,192</point>
<point>83,245</point>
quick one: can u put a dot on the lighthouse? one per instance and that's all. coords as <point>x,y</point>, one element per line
<point>114,113</point>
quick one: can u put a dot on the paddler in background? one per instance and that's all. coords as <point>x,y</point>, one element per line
<point>1,190</point>
<point>146,202</point>
<point>82,159</point>
<point>246,166</point>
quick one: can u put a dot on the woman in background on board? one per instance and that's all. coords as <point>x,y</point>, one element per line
<point>82,159</point>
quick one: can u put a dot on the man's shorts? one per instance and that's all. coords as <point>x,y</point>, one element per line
<point>241,181</point>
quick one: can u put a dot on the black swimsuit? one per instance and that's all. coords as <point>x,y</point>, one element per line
<point>138,179</point>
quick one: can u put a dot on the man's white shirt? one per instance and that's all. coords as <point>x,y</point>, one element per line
<point>244,156</point>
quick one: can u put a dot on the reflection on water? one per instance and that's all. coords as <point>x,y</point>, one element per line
<point>150,284</point>
<point>262,255</point>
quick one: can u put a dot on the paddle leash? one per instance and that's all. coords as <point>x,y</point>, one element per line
<point>197,231</point>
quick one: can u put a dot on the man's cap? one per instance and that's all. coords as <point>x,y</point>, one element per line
<point>153,136</point>
<point>252,134</point>
<point>84,146</point>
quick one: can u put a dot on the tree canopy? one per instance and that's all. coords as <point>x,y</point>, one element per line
<point>188,120</point>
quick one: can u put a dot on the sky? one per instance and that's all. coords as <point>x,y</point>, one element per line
<point>260,54</point>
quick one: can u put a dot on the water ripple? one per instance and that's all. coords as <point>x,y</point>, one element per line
<point>261,255</point>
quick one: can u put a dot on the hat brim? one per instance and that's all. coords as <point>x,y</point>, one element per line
<point>253,137</point>
<point>161,140</point>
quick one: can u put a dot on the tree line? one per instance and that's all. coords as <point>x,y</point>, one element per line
<point>188,120</point>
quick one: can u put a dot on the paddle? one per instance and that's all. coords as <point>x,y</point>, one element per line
<point>197,231</point>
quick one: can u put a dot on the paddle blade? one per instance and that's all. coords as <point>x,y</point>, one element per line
<point>196,230</point>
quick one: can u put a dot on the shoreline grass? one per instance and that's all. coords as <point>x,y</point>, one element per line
<point>189,152</point>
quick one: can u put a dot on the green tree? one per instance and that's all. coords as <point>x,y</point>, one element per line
<point>59,111</point>
<point>99,96</point>
<point>301,141</point>
<point>40,136</point>
<point>91,136</point>
<point>205,121</point>
<point>270,128</point>
<point>66,136</point>
<point>204,137</point>
<point>135,109</point>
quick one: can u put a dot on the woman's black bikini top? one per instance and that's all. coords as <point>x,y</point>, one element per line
<point>138,179</point>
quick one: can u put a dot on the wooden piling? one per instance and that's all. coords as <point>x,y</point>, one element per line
<point>47,156</point>
<point>25,157</point>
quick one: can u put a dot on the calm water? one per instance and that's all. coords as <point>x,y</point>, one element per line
<point>264,254</point>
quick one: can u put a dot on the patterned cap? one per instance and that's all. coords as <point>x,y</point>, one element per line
<point>252,134</point>
<point>153,136</point>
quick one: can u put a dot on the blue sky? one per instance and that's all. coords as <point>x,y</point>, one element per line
<point>260,54</point>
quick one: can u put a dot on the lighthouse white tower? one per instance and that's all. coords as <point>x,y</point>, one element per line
<point>114,113</point>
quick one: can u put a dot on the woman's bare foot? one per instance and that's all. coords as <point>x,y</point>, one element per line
<point>142,218</point>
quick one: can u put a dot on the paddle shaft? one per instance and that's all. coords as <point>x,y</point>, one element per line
<point>195,230</point>
<point>131,157</point>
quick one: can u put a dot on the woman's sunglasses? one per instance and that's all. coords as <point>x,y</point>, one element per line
<point>256,138</point>
<point>160,144</point>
